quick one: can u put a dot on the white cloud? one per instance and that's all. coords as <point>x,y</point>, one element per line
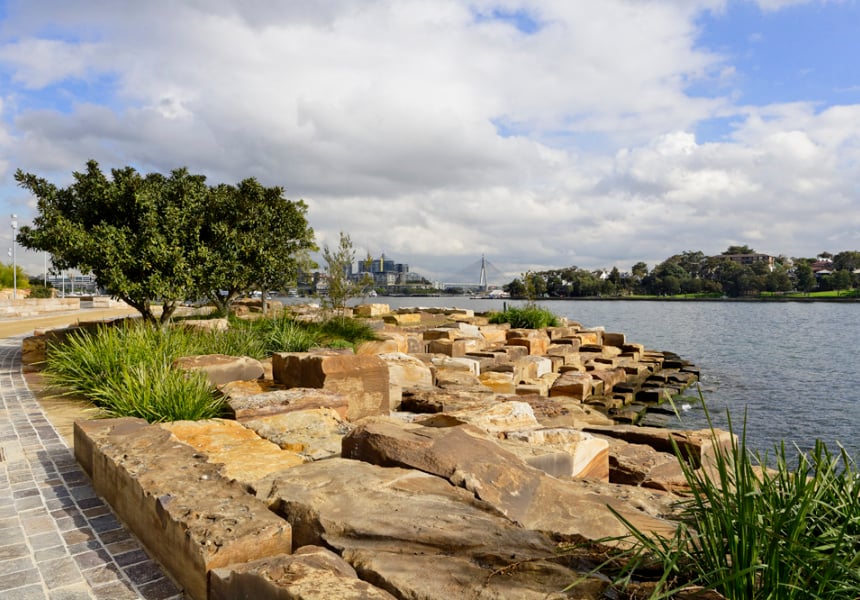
<point>436,136</point>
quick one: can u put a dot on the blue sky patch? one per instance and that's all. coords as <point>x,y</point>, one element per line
<point>521,19</point>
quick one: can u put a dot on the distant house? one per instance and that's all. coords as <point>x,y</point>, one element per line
<point>751,259</point>
<point>820,266</point>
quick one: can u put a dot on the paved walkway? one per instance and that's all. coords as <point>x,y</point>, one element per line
<point>58,539</point>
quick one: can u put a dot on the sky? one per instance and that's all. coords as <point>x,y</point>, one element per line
<point>541,134</point>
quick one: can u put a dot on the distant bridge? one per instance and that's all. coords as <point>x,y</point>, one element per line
<point>479,275</point>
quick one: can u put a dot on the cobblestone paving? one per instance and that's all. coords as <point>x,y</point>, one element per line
<point>58,539</point>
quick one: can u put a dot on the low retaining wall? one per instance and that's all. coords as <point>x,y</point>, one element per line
<point>31,307</point>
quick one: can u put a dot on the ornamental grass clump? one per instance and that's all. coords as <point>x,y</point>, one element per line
<point>753,528</point>
<point>526,317</point>
<point>126,369</point>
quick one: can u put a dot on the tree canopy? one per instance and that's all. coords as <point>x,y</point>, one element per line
<point>163,239</point>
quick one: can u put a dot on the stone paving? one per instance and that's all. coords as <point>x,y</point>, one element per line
<point>58,539</point>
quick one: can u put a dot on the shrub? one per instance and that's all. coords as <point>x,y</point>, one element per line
<point>526,317</point>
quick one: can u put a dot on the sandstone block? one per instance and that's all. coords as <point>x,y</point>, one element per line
<point>574,384</point>
<point>34,349</point>
<point>514,352</point>
<point>414,533</point>
<point>535,341</point>
<point>456,378</point>
<point>403,319</point>
<point>440,401</point>
<point>280,401</point>
<point>638,464</point>
<point>385,344</point>
<point>555,333</point>
<point>538,388</point>
<point>244,455</point>
<point>522,493</point>
<point>609,377</point>
<point>362,379</point>
<point>311,434</point>
<point>206,324</point>
<point>614,339</point>
<point>696,446</point>
<point>187,515</point>
<point>448,347</point>
<point>562,452</point>
<point>462,363</point>
<point>371,310</point>
<point>562,411</point>
<point>590,336</point>
<point>498,417</point>
<point>310,573</point>
<point>495,335</point>
<point>405,371</point>
<point>500,383</point>
<point>221,368</point>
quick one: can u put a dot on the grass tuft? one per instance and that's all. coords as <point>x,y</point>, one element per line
<point>526,317</point>
<point>126,369</point>
<point>754,528</point>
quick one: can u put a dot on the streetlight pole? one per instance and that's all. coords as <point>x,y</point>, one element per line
<point>14,259</point>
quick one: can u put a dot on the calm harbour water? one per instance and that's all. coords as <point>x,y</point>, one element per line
<point>792,366</point>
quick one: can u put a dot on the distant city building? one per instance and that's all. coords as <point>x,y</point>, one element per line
<point>385,272</point>
<point>74,284</point>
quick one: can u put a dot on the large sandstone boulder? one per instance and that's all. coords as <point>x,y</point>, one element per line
<point>313,434</point>
<point>562,411</point>
<point>310,573</point>
<point>270,400</point>
<point>638,464</point>
<point>415,535</point>
<point>695,446</point>
<point>561,452</point>
<point>183,510</point>
<point>362,379</point>
<point>522,493</point>
<point>495,418</point>
<point>244,455</point>
<point>442,401</point>
<point>221,368</point>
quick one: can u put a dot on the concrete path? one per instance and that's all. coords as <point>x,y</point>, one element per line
<point>58,539</point>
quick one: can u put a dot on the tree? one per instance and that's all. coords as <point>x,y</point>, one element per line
<point>7,279</point>
<point>339,268</point>
<point>252,237</point>
<point>137,234</point>
<point>738,250</point>
<point>840,280</point>
<point>157,239</point>
<point>848,260</point>
<point>804,277</point>
<point>639,270</point>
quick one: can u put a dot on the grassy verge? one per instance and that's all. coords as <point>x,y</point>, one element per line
<point>759,527</point>
<point>126,370</point>
<point>526,317</point>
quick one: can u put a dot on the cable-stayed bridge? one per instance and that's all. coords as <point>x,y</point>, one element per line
<point>479,275</point>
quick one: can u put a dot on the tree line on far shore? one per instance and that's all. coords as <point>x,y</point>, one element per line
<point>694,273</point>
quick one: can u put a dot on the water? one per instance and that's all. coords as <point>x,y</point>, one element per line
<point>791,366</point>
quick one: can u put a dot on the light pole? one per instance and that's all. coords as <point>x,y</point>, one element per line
<point>14,260</point>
